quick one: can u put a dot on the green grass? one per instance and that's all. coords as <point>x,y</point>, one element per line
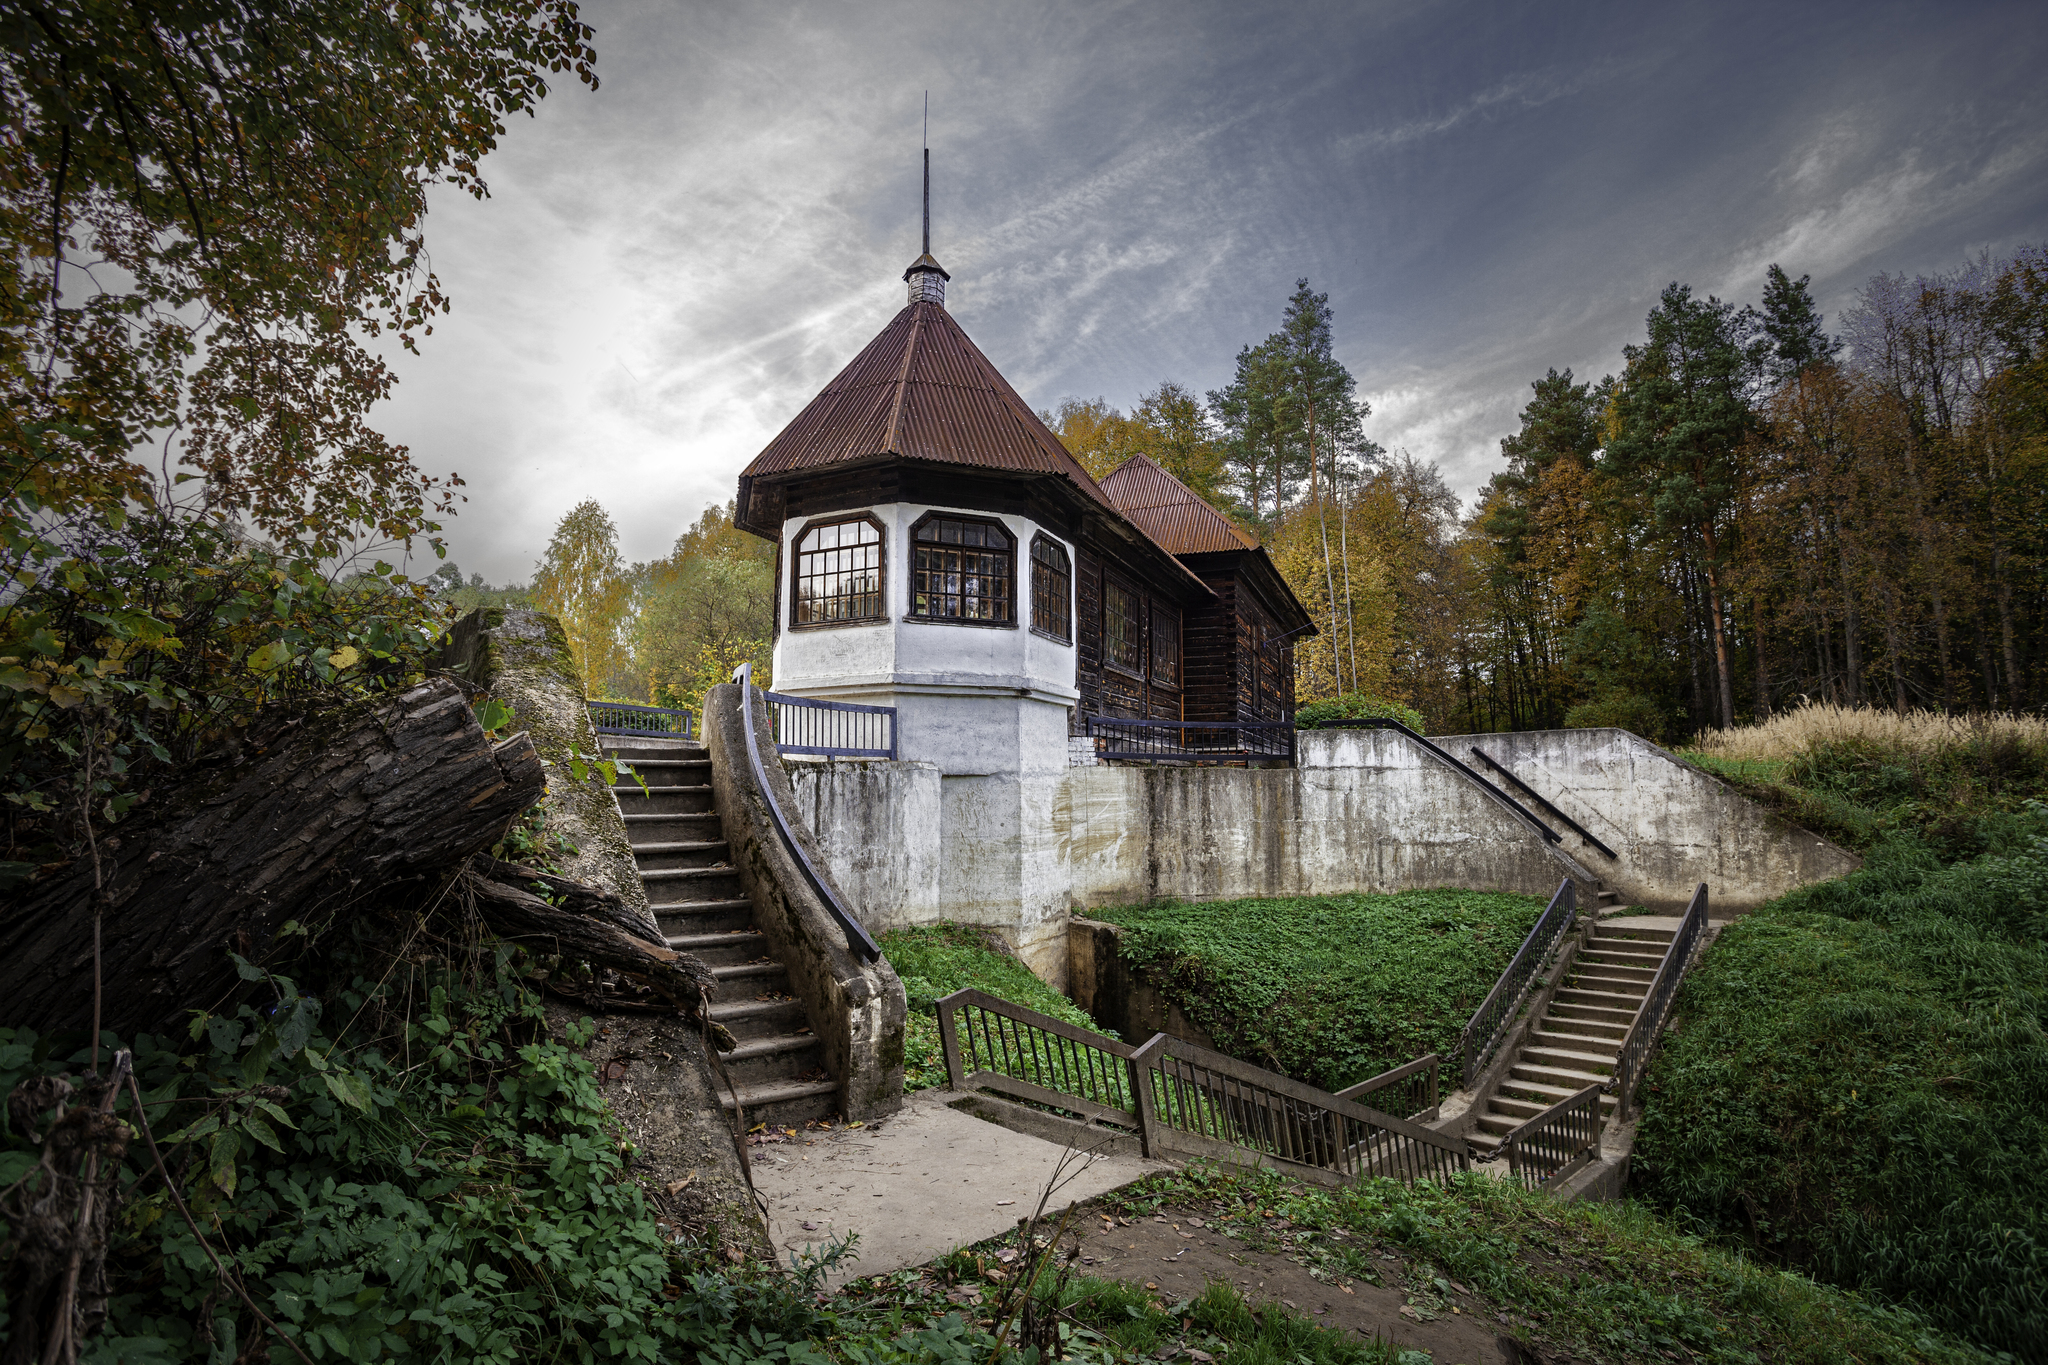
<point>1329,989</point>
<point>1609,1282</point>
<point>1859,1086</point>
<point>936,960</point>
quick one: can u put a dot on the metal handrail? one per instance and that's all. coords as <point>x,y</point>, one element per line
<point>786,702</point>
<point>1489,1023</point>
<point>1642,1030</point>
<point>1523,787</point>
<point>1416,1082</point>
<point>1552,1142</point>
<point>1104,730</point>
<point>1445,755</point>
<point>658,719</point>
<point>857,937</point>
<point>1179,1097</point>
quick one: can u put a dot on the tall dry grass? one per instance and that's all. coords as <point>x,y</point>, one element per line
<point>1816,724</point>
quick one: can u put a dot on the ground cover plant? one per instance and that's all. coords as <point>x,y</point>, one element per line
<point>936,960</point>
<point>1592,1281</point>
<point>1329,989</point>
<point>1859,1084</point>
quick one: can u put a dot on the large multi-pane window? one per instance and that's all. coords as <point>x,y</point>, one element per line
<point>1052,579</point>
<point>839,573</point>
<point>1123,641</point>
<point>963,570</point>
<point>1165,647</point>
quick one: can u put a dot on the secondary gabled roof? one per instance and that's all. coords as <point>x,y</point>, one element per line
<point>1170,512</point>
<point>921,391</point>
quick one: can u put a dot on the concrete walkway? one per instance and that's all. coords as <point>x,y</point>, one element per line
<point>917,1184</point>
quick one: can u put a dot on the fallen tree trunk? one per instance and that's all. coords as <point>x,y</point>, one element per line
<point>314,817</point>
<point>515,913</point>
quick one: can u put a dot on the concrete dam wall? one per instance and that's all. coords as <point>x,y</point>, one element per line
<point>1363,810</point>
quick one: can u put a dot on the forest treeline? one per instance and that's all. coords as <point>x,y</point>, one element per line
<point>1752,510</point>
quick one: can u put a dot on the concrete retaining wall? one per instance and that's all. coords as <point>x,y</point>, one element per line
<point>1672,825</point>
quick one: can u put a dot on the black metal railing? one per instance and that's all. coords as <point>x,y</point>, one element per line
<point>1490,1023</point>
<point>625,718</point>
<point>1443,755</point>
<point>833,729</point>
<point>1554,1142</point>
<point>1540,799</point>
<point>858,939</point>
<point>1642,1030</point>
<point>1178,1098</point>
<point>1191,741</point>
<point>1409,1090</point>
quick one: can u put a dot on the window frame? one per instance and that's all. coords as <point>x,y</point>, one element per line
<point>1152,626</point>
<point>796,574</point>
<point>1067,612</point>
<point>911,613</point>
<point>1113,583</point>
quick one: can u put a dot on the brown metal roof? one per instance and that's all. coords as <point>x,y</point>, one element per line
<point>921,391</point>
<point>1170,512</point>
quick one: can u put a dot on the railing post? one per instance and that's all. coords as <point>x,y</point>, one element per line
<point>949,1040</point>
<point>1142,1098</point>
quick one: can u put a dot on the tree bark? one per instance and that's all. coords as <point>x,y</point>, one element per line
<point>312,817</point>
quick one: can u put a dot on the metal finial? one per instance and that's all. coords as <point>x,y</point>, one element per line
<point>927,172</point>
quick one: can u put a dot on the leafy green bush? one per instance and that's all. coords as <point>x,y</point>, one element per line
<point>1330,989</point>
<point>1356,706</point>
<point>1860,1085</point>
<point>1630,711</point>
<point>936,960</point>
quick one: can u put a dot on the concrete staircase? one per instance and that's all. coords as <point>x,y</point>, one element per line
<point>678,842</point>
<point>1575,1043</point>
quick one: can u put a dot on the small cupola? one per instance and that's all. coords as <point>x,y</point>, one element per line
<point>927,280</point>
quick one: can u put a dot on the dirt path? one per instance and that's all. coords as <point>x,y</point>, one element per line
<point>1179,1251</point>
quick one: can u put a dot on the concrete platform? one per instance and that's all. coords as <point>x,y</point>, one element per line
<point>917,1184</point>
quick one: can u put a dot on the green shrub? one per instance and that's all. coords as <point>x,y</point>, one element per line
<point>936,960</point>
<point>1356,706</point>
<point>1329,989</point>
<point>1860,1085</point>
<point>1630,711</point>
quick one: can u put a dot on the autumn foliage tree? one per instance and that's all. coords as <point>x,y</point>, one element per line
<point>582,582</point>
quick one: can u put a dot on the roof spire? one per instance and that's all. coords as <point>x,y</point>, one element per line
<point>926,276</point>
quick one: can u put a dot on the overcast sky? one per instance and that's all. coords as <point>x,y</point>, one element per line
<point>670,268</point>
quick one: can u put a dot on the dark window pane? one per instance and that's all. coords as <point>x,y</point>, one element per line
<point>951,581</point>
<point>1121,643</point>
<point>1051,589</point>
<point>839,573</point>
<point>1165,647</point>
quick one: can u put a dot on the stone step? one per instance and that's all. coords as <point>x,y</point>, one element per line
<point>1596,979</point>
<point>1553,1022</point>
<point>722,950</point>
<point>1566,1080</point>
<point>636,751</point>
<point>785,1102</point>
<point>1604,999</point>
<point>748,1019</point>
<point>777,1057</point>
<point>692,883</point>
<point>760,974</point>
<point>1611,971</point>
<point>1569,1053</point>
<point>1602,1014</point>
<point>1612,931</point>
<point>704,916</point>
<point>681,853</point>
<point>693,800</point>
<point>1622,957</point>
<point>662,829</point>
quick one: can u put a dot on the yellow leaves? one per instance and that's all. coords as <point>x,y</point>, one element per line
<point>66,697</point>
<point>269,658</point>
<point>345,657</point>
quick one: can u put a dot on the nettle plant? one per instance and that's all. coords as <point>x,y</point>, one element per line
<point>142,640</point>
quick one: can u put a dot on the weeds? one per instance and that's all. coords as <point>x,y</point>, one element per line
<point>939,959</point>
<point>1331,989</point>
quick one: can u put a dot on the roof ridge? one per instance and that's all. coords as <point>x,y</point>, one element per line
<point>903,381</point>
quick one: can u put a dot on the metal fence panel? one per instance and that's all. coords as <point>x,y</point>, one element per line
<point>626,718</point>
<point>832,729</point>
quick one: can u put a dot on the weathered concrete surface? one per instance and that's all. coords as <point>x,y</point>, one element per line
<point>919,1184</point>
<point>1672,825</point>
<point>879,823</point>
<point>856,1009</point>
<point>522,659</point>
<point>661,1086</point>
<point>1117,995</point>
